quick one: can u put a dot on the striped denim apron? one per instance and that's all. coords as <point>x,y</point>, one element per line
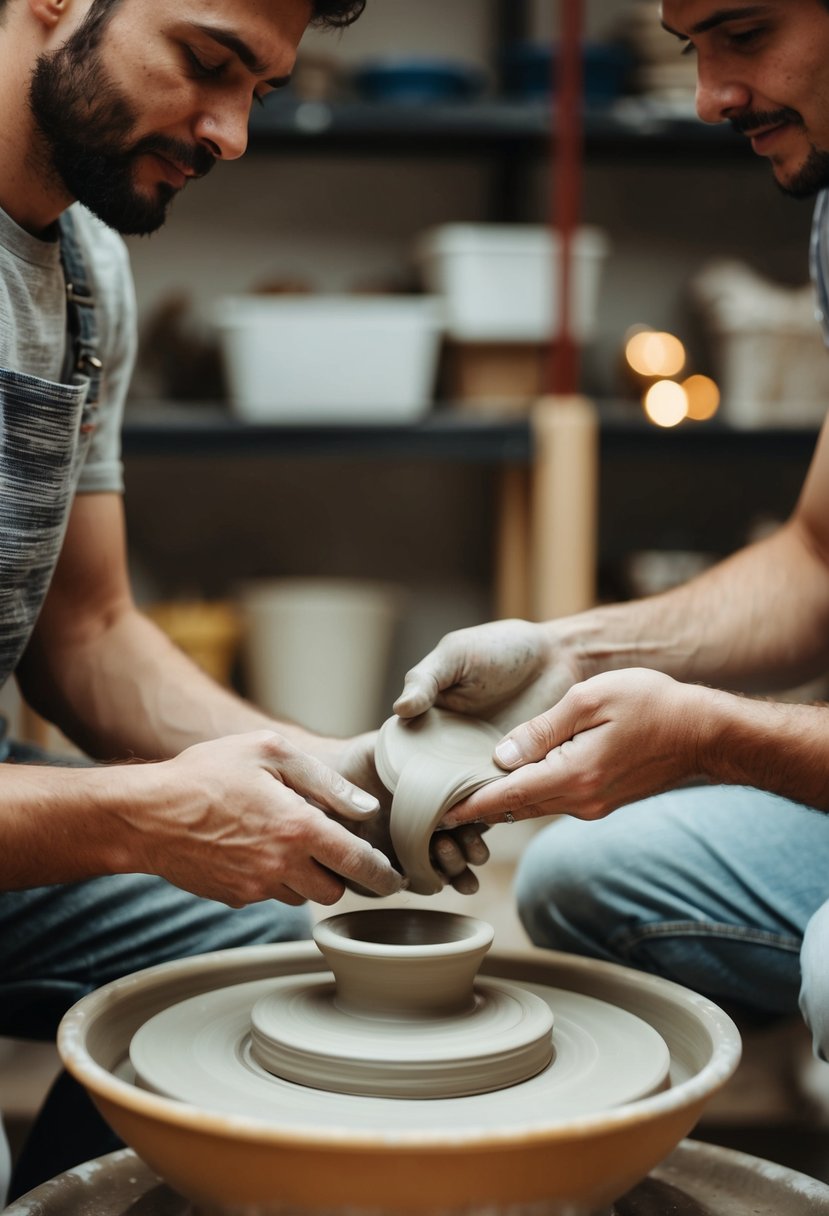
<point>45,430</point>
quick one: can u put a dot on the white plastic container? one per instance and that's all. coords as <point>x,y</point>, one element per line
<point>316,651</point>
<point>328,359</point>
<point>500,282</point>
<point>771,360</point>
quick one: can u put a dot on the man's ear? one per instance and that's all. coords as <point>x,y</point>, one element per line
<point>49,13</point>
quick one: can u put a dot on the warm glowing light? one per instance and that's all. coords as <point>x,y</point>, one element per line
<point>666,403</point>
<point>650,353</point>
<point>703,397</point>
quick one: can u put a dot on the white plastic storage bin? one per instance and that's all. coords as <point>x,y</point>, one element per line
<point>770,357</point>
<point>328,359</point>
<point>500,282</point>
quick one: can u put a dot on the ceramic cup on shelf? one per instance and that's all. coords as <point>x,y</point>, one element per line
<point>430,763</point>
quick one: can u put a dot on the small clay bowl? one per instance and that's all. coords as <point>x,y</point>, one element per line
<point>429,764</point>
<point>404,962</point>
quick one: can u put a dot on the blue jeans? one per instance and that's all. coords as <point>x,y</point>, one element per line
<point>721,888</point>
<point>58,943</point>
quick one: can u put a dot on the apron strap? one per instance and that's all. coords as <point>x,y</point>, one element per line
<point>84,362</point>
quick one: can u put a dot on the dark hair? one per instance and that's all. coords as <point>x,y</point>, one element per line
<point>338,13</point>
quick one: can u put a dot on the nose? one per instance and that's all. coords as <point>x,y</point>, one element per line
<point>224,129</point>
<point>719,96</point>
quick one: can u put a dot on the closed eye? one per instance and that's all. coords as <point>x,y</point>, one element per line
<point>200,68</point>
<point>746,37</point>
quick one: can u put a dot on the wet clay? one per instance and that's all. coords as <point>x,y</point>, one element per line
<point>429,764</point>
<point>402,1017</point>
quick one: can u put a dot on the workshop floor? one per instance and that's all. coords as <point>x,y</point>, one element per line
<point>776,1106</point>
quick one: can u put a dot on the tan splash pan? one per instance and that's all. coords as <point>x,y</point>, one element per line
<point>240,1166</point>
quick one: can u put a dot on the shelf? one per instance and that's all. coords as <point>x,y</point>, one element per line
<point>631,127</point>
<point>159,429</point>
<point>172,429</point>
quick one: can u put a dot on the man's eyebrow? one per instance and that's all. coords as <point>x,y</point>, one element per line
<point>719,18</point>
<point>232,42</point>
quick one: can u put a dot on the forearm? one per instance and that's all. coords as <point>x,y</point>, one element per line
<point>240,819</point>
<point>757,621</point>
<point>129,692</point>
<point>772,746</point>
<point>63,824</point>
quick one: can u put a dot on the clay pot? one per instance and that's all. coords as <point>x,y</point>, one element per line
<point>402,963</point>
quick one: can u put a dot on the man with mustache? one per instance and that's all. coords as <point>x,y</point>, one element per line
<point>715,872</point>
<point>110,107</point>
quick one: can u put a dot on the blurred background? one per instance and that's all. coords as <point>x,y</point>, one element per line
<point>413,154</point>
<point>332,446</point>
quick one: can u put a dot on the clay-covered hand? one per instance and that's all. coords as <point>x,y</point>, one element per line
<point>239,819</point>
<point>453,852</point>
<point>505,672</point>
<point>617,737</point>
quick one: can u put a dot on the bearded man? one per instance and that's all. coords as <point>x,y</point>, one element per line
<point>112,107</point>
<point>723,882</point>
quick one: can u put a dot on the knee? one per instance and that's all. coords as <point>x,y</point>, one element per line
<point>554,888</point>
<point>814,990</point>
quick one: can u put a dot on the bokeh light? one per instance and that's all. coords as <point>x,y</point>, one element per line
<point>651,353</point>
<point>666,403</point>
<point>703,397</point>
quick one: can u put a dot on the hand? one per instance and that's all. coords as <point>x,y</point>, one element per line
<point>614,739</point>
<point>452,852</point>
<point>505,672</point>
<point>239,819</point>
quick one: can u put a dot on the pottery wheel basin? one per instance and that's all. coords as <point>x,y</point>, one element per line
<point>238,1142</point>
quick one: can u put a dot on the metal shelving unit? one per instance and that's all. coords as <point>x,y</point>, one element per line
<point>497,125</point>
<point>169,429</point>
<point>510,137</point>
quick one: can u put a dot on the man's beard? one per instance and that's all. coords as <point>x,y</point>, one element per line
<point>86,123</point>
<point>813,174</point>
<point>811,177</point>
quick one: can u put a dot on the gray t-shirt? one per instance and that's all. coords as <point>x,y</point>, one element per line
<point>33,334</point>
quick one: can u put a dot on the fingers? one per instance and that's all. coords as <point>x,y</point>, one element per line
<point>287,895</point>
<point>453,852</point>
<point>466,883</point>
<point>535,739</point>
<point>420,690</point>
<point>315,781</point>
<point>534,790</point>
<point>354,860</point>
<point>472,843</point>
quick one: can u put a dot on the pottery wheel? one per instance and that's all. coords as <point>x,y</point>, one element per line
<point>696,1180</point>
<point>298,1032</point>
<point>200,1051</point>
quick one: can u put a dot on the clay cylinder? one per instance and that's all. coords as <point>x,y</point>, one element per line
<point>399,963</point>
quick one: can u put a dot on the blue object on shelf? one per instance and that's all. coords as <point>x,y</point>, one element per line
<point>529,71</point>
<point>418,80</point>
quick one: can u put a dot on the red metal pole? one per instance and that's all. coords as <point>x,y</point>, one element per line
<point>567,173</point>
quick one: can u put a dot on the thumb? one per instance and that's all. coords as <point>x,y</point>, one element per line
<point>420,691</point>
<point>533,740</point>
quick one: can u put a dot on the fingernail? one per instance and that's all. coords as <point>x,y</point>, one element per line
<point>364,802</point>
<point>507,753</point>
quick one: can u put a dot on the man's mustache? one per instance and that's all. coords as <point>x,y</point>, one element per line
<point>187,156</point>
<point>756,120</point>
